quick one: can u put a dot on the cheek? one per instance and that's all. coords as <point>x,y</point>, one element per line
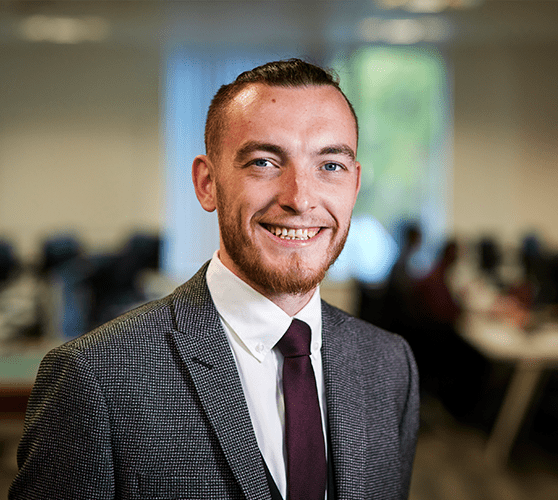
<point>341,204</point>
<point>254,200</point>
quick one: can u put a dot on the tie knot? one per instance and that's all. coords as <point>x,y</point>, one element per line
<point>296,341</point>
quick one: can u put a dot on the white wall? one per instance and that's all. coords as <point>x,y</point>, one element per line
<point>79,143</point>
<point>506,141</point>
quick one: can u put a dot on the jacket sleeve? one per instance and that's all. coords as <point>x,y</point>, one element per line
<point>65,451</point>
<point>409,424</point>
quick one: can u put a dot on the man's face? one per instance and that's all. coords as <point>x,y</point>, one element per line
<point>286,181</point>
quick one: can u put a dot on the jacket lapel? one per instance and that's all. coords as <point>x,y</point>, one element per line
<point>205,351</point>
<point>344,399</point>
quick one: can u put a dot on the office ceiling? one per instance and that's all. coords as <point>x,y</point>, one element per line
<point>150,23</point>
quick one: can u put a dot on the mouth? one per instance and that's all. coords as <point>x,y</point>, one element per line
<point>286,233</point>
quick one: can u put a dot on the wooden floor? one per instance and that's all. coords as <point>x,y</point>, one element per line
<point>449,464</point>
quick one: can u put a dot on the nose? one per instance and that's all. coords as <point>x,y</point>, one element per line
<point>297,191</point>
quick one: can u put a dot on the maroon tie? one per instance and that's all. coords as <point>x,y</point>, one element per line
<point>306,462</point>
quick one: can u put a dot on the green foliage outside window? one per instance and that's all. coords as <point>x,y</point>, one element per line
<point>400,97</point>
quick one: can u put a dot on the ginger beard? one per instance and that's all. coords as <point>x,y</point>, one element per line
<point>294,278</point>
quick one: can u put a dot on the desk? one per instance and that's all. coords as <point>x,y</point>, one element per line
<point>531,353</point>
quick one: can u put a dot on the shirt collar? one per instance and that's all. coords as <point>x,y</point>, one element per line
<point>254,319</point>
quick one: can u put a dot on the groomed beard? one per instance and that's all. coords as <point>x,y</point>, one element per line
<point>294,279</point>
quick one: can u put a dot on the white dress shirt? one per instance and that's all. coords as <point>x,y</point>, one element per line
<point>254,325</point>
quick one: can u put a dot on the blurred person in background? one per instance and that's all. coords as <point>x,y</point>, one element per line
<point>450,368</point>
<point>242,383</point>
<point>398,307</point>
<point>437,304</point>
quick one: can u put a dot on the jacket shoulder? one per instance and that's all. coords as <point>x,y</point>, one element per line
<point>369,339</point>
<point>336,317</point>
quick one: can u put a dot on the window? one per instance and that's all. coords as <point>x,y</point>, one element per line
<point>401,97</point>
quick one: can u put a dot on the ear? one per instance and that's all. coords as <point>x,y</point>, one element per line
<point>358,171</point>
<point>204,182</point>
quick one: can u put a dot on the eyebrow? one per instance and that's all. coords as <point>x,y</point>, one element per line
<point>251,146</point>
<point>338,149</point>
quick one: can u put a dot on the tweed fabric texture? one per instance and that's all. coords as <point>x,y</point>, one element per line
<point>150,406</point>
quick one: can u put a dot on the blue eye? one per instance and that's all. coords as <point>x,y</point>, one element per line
<point>261,162</point>
<point>332,167</point>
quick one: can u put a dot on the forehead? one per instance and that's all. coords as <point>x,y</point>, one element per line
<point>310,111</point>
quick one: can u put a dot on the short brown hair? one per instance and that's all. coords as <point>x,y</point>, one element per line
<point>285,73</point>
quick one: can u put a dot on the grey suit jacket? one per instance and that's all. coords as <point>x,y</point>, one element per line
<point>151,406</point>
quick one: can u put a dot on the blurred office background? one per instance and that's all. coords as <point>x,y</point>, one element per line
<point>455,234</point>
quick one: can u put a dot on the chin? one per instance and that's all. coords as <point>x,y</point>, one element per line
<point>293,277</point>
<point>274,270</point>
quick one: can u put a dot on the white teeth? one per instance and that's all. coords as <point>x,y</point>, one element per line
<point>292,234</point>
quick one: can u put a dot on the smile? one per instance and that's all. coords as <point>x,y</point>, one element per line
<point>292,234</point>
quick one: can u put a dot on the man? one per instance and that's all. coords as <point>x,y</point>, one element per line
<point>192,396</point>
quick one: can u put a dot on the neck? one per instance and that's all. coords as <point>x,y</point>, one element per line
<point>290,303</point>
